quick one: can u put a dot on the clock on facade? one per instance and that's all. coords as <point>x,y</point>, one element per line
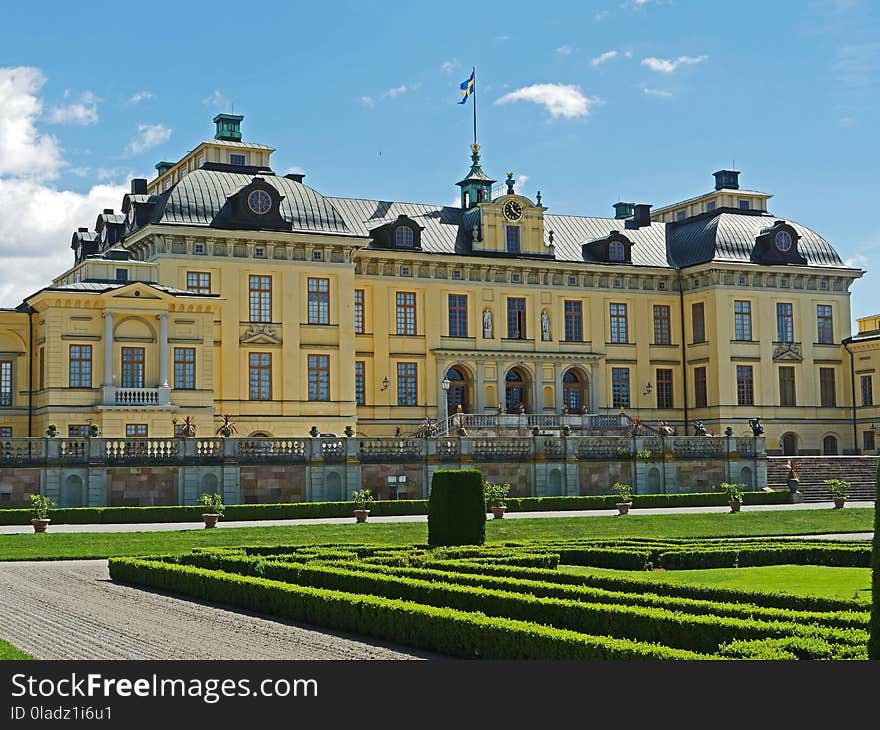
<point>783,241</point>
<point>259,202</point>
<point>512,210</point>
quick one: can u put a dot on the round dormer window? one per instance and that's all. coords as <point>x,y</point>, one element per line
<point>259,202</point>
<point>783,241</point>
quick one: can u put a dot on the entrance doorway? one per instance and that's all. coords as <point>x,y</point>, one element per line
<point>789,444</point>
<point>574,390</point>
<point>516,390</point>
<point>459,392</point>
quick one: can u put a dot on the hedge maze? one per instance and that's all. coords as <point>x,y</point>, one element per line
<point>509,601</point>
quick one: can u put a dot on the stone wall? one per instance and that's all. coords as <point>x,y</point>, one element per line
<point>16,486</point>
<point>142,486</point>
<point>265,484</point>
<point>599,477</point>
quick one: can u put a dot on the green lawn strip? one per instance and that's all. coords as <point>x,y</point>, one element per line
<point>60,546</point>
<point>799,580</point>
<point>8,651</point>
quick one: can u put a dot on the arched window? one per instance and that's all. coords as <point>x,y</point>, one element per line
<point>403,237</point>
<point>573,396</point>
<point>829,446</point>
<point>616,251</point>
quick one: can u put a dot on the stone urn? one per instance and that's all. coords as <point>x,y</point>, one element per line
<point>623,508</point>
<point>734,506</point>
<point>498,512</point>
<point>360,515</point>
<point>210,520</point>
<point>40,525</point>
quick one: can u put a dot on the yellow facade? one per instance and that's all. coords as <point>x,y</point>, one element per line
<point>298,351</point>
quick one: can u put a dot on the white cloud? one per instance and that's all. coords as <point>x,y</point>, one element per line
<point>502,38</point>
<point>601,15</point>
<point>140,96</point>
<point>23,149</point>
<point>149,135</point>
<point>216,100</point>
<point>669,65</point>
<point>656,92</point>
<point>565,50</point>
<point>561,100</point>
<point>604,57</point>
<point>85,112</point>
<point>368,101</point>
<point>294,170</point>
<point>449,66</point>
<point>397,91</point>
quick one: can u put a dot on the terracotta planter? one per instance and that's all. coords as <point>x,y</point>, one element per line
<point>734,506</point>
<point>40,525</point>
<point>839,502</point>
<point>210,520</point>
<point>623,508</point>
<point>360,515</point>
<point>498,512</point>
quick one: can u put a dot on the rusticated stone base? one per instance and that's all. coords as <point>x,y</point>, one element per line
<point>142,486</point>
<point>273,484</point>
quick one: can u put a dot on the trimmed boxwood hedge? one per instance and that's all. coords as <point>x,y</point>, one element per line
<point>451,632</point>
<point>306,510</point>
<point>457,508</point>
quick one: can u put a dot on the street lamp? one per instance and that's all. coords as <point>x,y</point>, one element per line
<point>445,384</point>
<point>648,388</point>
<point>384,384</point>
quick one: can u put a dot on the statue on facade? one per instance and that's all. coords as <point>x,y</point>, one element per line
<point>699,428</point>
<point>475,233</point>
<point>487,324</point>
<point>545,326</point>
<point>757,428</point>
<point>500,408</point>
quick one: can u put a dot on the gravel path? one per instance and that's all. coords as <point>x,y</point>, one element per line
<point>72,610</point>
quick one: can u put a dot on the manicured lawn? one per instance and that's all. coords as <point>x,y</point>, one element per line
<point>809,580</point>
<point>56,546</point>
<point>8,651</point>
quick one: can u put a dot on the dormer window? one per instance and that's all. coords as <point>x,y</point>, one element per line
<point>745,204</point>
<point>403,237</point>
<point>710,206</point>
<point>616,251</point>
<point>121,274</point>
<point>238,160</point>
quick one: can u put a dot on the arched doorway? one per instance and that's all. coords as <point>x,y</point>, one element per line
<point>72,492</point>
<point>554,485</point>
<point>829,445</point>
<point>574,390</point>
<point>516,390</point>
<point>459,390</point>
<point>209,483</point>
<point>789,444</point>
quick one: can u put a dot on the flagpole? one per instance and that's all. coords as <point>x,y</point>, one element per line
<point>475,104</point>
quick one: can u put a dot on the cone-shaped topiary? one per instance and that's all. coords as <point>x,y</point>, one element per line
<point>874,639</point>
<point>456,508</point>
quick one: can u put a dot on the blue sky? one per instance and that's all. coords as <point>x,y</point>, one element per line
<point>589,102</point>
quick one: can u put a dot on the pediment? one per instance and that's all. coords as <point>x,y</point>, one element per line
<point>139,290</point>
<point>260,334</point>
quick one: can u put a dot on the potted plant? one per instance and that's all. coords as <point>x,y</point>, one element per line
<point>94,431</point>
<point>362,499</point>
<point>52,430</point>
<point>839,488</point>
<point>643,454</point>
<point>40,505</point>
<point>213,508</point>
<point>227,427</point>
<point>624,497</point>
<point>495,496</point>
<point>734,494</point>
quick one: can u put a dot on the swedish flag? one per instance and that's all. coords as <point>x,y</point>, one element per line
<point>467,88</point>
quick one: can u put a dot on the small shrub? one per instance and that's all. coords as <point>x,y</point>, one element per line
<point>734,492</point>
<point>496,494</point>
<point>40,505</point>
<point>213,503</point>
<point>362,499</point>
<point>623,491</point>
<point>456,508</point>
<point>838,487</point>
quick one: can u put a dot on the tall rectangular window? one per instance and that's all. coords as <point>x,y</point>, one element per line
<point>198,282</point>
<point>458,315</point>
<point>869,443</point>
<point>742,320</point>
<point>360,383</point>
<point>319,301</point>
<point>825,324</point>
<point>620,387</point>
<point>664,388</point>
<point>619,323</point>
<point>406,313</point>
<point>516,318</point>
<point>185,368</point>
<point>867,384</point>
<point>136,430</point>
<point>698,321</point>
<point>786,387</point>
<point>78,430</point>
<point>745,386</point>
<point>80,366</point>
<point>260,298</point>
<point>319,377</point>
<point>5,382</point>
<point>512,238</point>
<point>701,398</point>
<point>662,328</point>
<point>827,389</point>
<point>359,321</point>
<point>574,321</point>
<point>260,375</point>
<point>784,322</point>
<point>132,367</point>
<point>407,387</point>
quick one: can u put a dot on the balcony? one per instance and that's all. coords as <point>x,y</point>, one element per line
<point>113,397</point>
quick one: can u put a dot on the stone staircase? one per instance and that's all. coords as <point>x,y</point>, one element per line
<point>859,471</point>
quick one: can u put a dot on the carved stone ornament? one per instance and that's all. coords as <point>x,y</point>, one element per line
<point>787,351</point>
<point>260,334</point>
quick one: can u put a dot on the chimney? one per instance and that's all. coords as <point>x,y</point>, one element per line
<point>642,215</point>
<point>82,230</point>
<point>138,186</point>
<point>108,211</point>
<point>726,179</point>
<point>623,210</point>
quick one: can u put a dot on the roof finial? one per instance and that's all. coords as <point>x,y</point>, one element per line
<point>510,183</point>
<point>538,196</point>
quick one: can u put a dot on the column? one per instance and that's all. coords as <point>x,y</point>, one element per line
<point>557,387</point>
<point>594,387</point>
<point>479,387</point>
<point>108,348</point>
<point>163,350</point>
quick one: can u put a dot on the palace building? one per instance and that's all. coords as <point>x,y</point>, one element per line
<point>221,287</point>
